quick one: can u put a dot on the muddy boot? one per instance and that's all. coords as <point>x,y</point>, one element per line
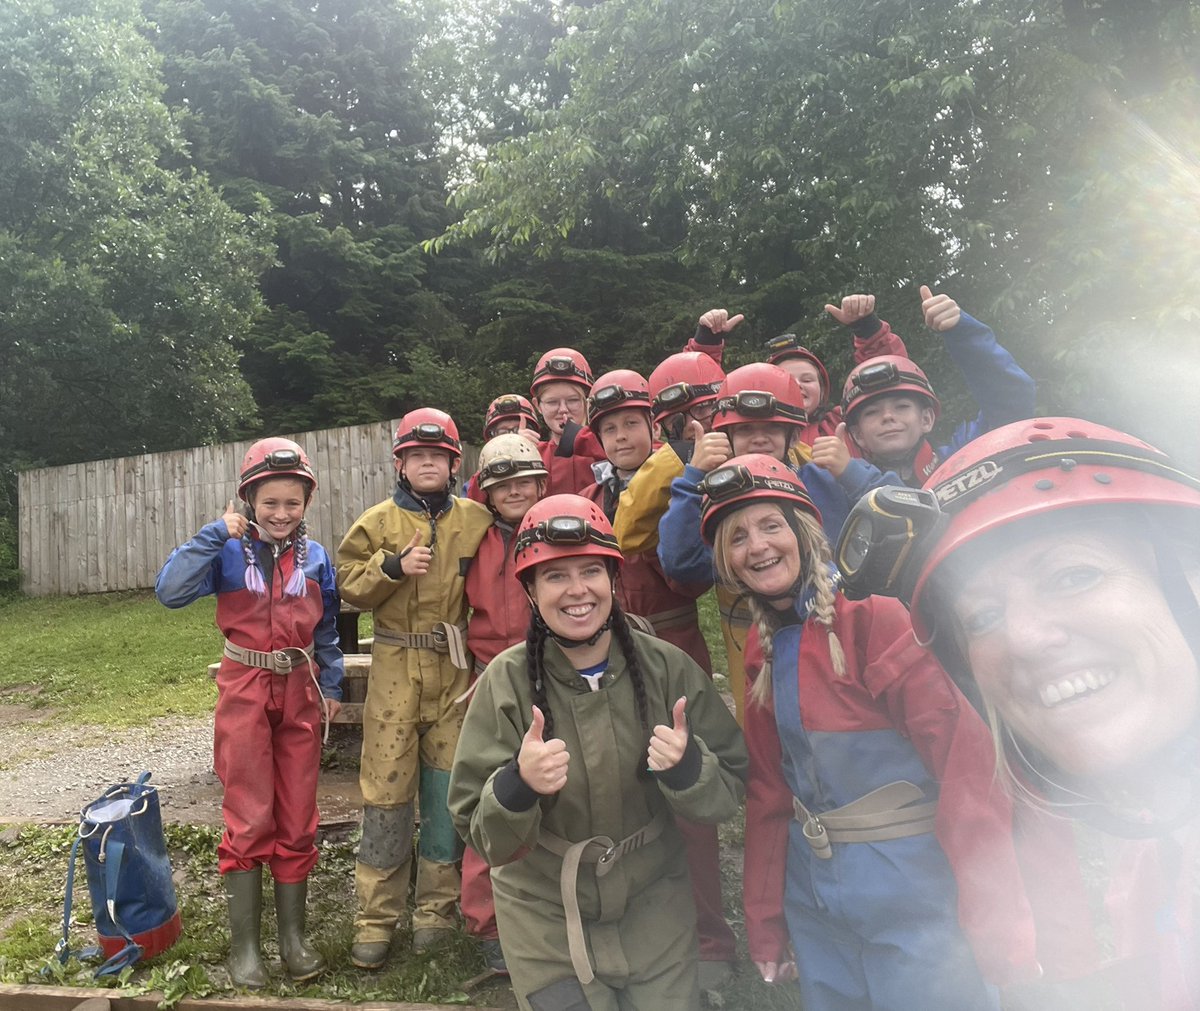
<point>301,959</point>
<point>243,891</point>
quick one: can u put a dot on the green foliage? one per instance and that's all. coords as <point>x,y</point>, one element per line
<point>123,282</point>
<point>111,659</point>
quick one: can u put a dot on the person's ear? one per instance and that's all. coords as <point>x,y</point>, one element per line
<point>927,419</point>
<point>455,464</point>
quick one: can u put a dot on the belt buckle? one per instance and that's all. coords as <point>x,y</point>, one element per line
<point>283,661</point>
<point>440,639</point>
<point>608,855</point>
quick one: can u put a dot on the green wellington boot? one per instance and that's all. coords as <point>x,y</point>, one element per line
<point>301,959</point>
<point>243,892</point>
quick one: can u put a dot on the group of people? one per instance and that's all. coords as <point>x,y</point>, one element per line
<point>965,684</point>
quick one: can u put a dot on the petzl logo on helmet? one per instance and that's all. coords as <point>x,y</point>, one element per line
<point>974,478</point>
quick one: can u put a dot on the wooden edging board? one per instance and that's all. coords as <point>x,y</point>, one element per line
<point>67,998</point>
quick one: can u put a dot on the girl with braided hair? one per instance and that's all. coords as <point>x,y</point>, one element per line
<point>277,602</point>
<point>580,745</point>
<point>877,841</point>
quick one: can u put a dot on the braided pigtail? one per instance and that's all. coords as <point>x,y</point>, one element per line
<point>762,688</point>
<point>535,651</point>
<point>256,583</point>
<point>818,579</point>
<point>624,636</point>
<point>297,585</point>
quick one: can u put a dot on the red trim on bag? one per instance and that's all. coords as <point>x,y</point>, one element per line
<point>155,941</point>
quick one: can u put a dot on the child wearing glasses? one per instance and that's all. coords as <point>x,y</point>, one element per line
<point>277,604</point>
<point>405,559</point>
<point>580,747</point>
<point>561,383</point>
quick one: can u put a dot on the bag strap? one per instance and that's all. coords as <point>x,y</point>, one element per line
<point>132,951</point>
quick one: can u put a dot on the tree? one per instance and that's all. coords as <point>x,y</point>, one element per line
<point>123,284</point>
<point>1028,156</point>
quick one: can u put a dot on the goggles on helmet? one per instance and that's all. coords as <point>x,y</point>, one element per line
<point>503,469</point>
<point>884,536</point>
<point>608,398</point>
<point>277,459</point>
<point>678,395</point>
<point>757,404</point>
<point>727,482</point>
<point>565,530</point>
<point>561,365</point>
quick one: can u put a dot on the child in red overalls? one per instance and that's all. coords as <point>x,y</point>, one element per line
<point>282,670</point>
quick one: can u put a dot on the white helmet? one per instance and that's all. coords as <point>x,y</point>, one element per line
<point>508,456</point>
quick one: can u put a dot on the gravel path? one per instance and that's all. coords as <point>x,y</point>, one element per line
<point>49,771</point>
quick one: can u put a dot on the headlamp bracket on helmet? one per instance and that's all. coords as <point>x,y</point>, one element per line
<point>760,404</point>
<point>277,459</point>
<point>564,531</point>
<point>726,482</point>
<point>677,396</point>
<point>610,396</point>
<point>887,532</point>
<point>508,468</point>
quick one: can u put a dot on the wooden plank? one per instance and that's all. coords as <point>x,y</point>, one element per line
<point>65,998</point>
<point>91,519</point>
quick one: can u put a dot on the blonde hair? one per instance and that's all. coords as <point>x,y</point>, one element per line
<point>817,576</point>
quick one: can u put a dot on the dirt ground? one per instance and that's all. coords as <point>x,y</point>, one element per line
<point>51,770</point>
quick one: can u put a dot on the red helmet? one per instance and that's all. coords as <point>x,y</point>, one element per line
<point>274,457</point>
<point>564,526</point>
<point>682,381</point>
<point>618,390</point>
<point>886,374</point>
<point>509,407</point>
<point>759,392</point>
<point>427,426</point>
<point>1032,468</point>
<point>754,477</point>
<point>786,346</point>
<point>561,365</point>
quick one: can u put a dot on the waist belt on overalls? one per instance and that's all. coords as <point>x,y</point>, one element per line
<point>678,617</point>
<point>283,661</point>
<point>604,853</point>
<point>445,638</point>
<point>886,813</point>
<point>277,661</point>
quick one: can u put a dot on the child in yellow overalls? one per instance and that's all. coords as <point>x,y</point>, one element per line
<point>404,558</point>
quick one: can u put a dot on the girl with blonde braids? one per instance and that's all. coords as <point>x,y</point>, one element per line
<point>879,865</point>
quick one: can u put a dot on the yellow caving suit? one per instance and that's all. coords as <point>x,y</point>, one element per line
<point>411,722</point>
<point>642,504</point>
<point>637,916</point>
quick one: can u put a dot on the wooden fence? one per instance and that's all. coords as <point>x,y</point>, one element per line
<point>110,524</point>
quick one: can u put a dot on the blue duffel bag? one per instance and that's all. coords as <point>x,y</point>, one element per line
<point>128,876</point>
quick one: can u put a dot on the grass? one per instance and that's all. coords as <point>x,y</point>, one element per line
<point>116,659</point>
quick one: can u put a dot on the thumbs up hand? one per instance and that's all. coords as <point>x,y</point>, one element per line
<point>415,559</point>
<point>668,744</point>
<point>831,451</point>
<point>541,763</point>
<point>941,311</point>
<point>852,309</point>
<point>235,523</point>
<point>719,320</point>
<point>712,450</point>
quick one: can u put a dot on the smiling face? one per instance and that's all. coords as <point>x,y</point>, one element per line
<point>559,403</point>
<point>574,595</point>
<point>809,379</point>
<point>625,436</point>
<point>1070,638</point>
<point>887,428</point>
<point>761,550</point>
<point>769,437</point>
<point>428,470</point>
<point>512,498</point>
<point>279,505</point>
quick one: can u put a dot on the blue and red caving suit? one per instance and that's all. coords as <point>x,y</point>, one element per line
<point>877,926</point>
<point>644,590</point>
<point>267,727</point>
<point>1003,390</point>
<point>499,618</point>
